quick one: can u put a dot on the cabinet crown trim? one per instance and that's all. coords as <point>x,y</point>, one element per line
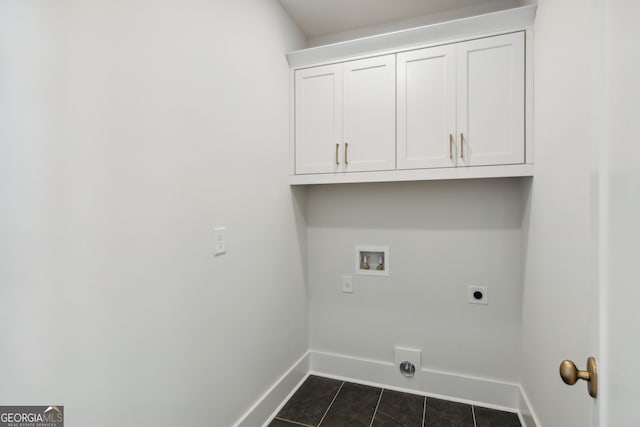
<point>503,21</point>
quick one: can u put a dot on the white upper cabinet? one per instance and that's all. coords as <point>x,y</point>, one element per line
<point>491,101</point>
<point>345,117</point>
<point>449,111</point>
<point>318,119</point>
<point>462,104</point>
<point>369,104</point>
<point>427,108</point>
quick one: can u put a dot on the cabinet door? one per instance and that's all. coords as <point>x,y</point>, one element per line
<point>427,108</point>
<point>318,119</point>
<point>491,100</point>
<point>370,114</point>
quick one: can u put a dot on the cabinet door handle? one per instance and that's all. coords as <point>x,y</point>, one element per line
<point>451,146</point>
<point>346,151</point>
<point>461,145</point>
<point>337,158</point>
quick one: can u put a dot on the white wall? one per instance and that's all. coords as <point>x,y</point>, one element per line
<point>559,316</point>
<point>416,21</point>
<point>128,130</point>
<point>443,236</point>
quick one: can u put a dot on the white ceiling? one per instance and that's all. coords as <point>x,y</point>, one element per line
<point>320,17</point>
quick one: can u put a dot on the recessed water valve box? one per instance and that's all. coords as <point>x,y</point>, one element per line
<point>372,260</point>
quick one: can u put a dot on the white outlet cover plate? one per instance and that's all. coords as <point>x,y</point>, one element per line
<point>485,295</point>
<point>347,284</point>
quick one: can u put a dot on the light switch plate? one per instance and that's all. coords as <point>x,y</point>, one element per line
<point>219,242</point>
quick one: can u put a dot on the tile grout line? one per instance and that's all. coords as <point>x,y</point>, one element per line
<point>424,411</point>
<point>291,422</point>
<point>373,418</point>
<point>473,411</point>
<point>333,400</point>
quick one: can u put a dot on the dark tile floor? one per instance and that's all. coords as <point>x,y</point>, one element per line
<point>324,402</point>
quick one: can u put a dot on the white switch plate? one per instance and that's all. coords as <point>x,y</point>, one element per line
<point>347,284</point>
<point>219,243</point>
<point>485,295</point>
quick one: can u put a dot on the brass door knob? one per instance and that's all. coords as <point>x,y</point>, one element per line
<point>570,374</point>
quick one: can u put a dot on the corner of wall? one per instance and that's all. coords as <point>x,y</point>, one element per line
<point>268,405</point>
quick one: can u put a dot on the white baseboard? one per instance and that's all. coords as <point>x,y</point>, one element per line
<point>455,387</point>
<point>273,399</point>
<point>528,417</point>
<point>484,392</point>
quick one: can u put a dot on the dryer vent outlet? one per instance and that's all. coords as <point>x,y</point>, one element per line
<point>407,369</point>
<point>409,362</point>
